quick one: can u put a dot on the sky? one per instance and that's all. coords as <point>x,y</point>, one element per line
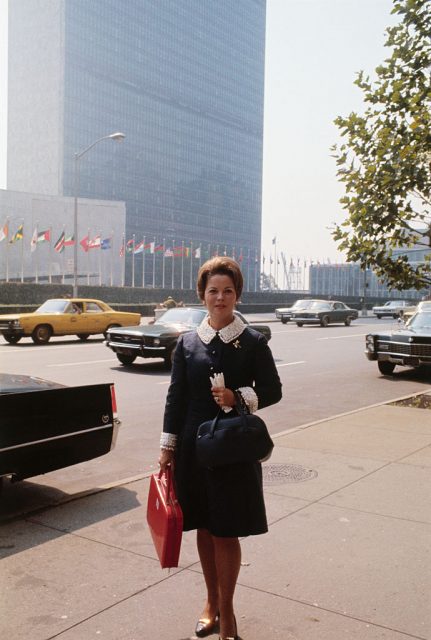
<point>314,48</point>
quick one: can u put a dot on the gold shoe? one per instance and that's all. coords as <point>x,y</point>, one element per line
<point>206,626</point>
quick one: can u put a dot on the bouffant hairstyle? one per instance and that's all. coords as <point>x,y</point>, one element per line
<point>223,266</point>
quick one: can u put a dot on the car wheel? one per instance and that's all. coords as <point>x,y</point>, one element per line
<point>169,358</point>
<point>348,321</point>
<point>284,320</point>
<point>41,334</point>
<point>83,336</point>
<point>324,321</point>
<point>126,360</point>
<point>11,338</point>
<point>299,324</point>
<point>379,317</point>
<point>111,326</point>
<point>385,367</point>
<point>395,315</point>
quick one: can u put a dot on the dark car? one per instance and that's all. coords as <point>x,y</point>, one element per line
<point>410,345</point>
<point>159,340</point>
<point>324,312</point>
<point>46,426</point>
<point>285,313</point>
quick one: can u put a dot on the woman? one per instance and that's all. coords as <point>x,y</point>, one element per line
<point>226,503</point>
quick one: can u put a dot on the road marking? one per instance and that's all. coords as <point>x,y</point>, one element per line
<point>288,364</point>
<point>21,349</point>
<point>75,364</point>
<point>351,335</point>
<point>164,382</point>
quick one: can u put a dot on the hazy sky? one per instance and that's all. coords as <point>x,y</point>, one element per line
<point>313,50</point>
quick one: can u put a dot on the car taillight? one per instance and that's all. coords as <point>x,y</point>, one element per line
<point>113,401</point>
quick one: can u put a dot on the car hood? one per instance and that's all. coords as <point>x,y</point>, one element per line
<point>15,316</point>
<point>153,330</point>
<point>16,383</point>
<point>406,335</point>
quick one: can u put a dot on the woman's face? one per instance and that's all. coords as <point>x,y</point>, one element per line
<point>220,299</point>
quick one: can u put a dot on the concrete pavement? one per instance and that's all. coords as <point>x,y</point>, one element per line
<point>347,556</point>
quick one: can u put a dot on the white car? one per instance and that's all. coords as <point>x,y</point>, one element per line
<point>393,308</point>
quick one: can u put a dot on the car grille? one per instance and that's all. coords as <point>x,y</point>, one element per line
<point>136,340</point>
<point>405,348</point>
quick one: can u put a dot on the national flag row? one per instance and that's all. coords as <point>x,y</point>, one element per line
<point>131,246</point>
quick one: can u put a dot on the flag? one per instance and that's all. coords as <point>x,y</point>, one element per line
<point>158,248</point>
<point>44,236</point>
<point>69,241</point>
<point>18,235</point>
<point>169,253</point>
<point>240,257</point>
<point>33,241</point>
<point>122,248</point>
<point>94,243</point>
<point>274,240</point>
<point>198,252</point>
<point>152,246</point>
<point>59,245</point>
<point>3,231</point>
<point>106,243</point>
<point>83,242</point>
<point>129,245</point>
<point>139,248</point>
<point>263,258</point>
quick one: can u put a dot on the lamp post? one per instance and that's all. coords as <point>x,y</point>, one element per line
<point>119,137</point>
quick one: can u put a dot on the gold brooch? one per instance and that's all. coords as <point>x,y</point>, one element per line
<point>236,344</point>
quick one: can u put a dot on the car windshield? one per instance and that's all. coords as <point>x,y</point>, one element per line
<point>53,306</point>
<point>421,320</point>
<point>302,304</point>
<point>184,316</point>
<point>320,306</point>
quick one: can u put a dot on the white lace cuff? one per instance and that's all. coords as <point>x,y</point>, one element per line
<point>168,441</point>
<point>250,398</point>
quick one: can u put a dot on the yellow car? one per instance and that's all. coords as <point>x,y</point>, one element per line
<point>64,317</point>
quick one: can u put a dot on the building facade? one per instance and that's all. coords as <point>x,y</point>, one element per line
<point>184,81</point>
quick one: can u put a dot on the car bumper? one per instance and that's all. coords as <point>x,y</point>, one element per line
<point>403,360</point>
<point>137,350</point>
<point>307,320</point>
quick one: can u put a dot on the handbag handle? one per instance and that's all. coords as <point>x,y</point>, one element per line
<point>241,413</point>
<point>167,472</point>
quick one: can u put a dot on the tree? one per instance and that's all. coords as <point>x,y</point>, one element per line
<point>385,158</point>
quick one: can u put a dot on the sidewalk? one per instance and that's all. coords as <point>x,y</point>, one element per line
<point>347,556</point>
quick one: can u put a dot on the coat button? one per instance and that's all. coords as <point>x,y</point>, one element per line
<point>214,353</point>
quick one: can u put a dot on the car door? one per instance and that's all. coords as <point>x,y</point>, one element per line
<point>73,321</point>
<point>94,316</point>
<point>338,312</point>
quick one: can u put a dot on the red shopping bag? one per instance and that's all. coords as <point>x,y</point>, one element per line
<point>165,518</point>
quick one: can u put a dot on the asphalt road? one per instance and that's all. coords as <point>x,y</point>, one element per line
<point>324,373</point>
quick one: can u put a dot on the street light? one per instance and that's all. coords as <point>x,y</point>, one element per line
<point>119,137</point>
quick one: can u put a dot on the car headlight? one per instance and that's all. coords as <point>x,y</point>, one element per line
<point>15,323</point>
<point>369,343</point>
<point>156,342</point>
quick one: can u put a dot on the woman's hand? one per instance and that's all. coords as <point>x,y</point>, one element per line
<point>223,397</point>
<point>165,459</point>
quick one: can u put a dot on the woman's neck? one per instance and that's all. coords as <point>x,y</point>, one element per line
<point>220,324</point>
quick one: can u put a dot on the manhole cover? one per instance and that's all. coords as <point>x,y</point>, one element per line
<point>283,473</point>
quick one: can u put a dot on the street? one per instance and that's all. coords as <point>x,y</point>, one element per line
<point>324,373</point>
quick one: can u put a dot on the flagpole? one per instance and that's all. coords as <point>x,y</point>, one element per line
<point>182,265</point>
<point>191,264</point>
<point>133,260</point>
<point>154,263</point>
<point>50,255</point>
<point>22,253</point>
<point>7,249</point>
<point>62,258</point>
<point>143,262</point>
<point>37,251</point>
<point>255,269</point>
<point>173,263</point>
<point>112,257</point>
<point>163,265</point>
<point>200,255</point>
<point>248,270</point>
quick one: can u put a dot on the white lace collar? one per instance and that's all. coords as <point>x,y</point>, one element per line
<point>232,331</point>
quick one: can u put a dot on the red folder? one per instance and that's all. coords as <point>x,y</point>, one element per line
<point>165,518</point>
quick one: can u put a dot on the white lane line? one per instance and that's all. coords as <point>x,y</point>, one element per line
<point>21,349</point>
<point>75,364</point>
<point>289,364</point>
<point>351,335</point>
<point>164,382</point>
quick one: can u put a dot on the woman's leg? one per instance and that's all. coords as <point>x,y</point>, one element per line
<point>207,557</point>
<point>228,562</point>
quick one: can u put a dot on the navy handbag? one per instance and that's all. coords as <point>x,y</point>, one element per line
<point>231,440</point>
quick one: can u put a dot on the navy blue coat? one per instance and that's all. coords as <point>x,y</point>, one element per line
<point>227,501</point>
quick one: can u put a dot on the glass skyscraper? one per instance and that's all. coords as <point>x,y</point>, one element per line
<point>184,80</point>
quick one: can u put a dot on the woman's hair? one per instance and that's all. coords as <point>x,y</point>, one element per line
<point>219,266</point>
